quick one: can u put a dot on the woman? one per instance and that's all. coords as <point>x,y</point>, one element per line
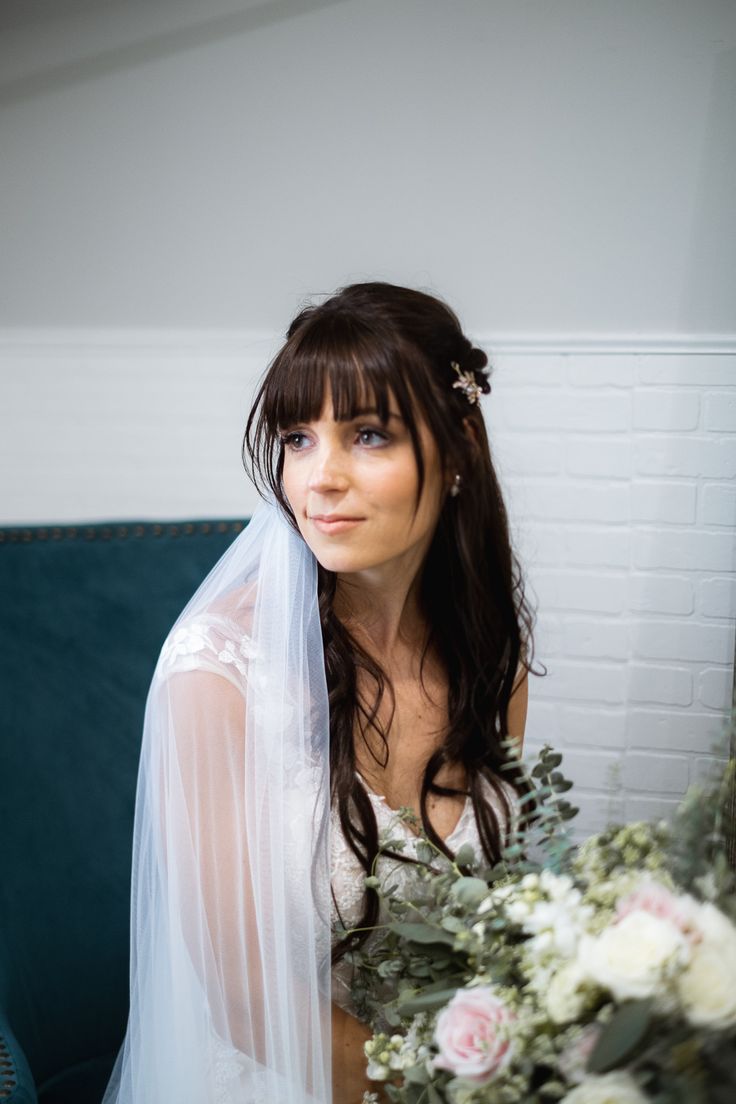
<point>362,646</point>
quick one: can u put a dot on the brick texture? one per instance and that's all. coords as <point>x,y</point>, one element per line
<point>619,474</point>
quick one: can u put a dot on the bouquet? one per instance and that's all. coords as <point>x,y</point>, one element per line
<point>598,974</point>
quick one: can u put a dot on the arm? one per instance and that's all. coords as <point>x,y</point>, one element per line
<point>349,1080</point>
<point>518,706</point>
<point>229,877</point>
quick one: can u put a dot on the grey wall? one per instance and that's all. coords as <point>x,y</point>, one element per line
<point>550,166</point>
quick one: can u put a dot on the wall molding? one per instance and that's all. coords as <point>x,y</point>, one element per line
<point>228,342</point>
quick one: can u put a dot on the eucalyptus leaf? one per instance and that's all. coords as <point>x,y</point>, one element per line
<point>621,1035</point>
<point>425,1001</point>
<point>469,891</point>
<point>422,933</point>
<point>466,855</point>
<point>416,1075</point>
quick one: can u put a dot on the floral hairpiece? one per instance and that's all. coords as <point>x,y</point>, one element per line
<point>466,383</point>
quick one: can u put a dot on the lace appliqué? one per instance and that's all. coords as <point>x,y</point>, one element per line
<point>206,641</point>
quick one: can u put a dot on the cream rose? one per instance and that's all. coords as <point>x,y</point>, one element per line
<point>609,1088</point>
<point>472,1034</point>
<point>566,996</point>
<point>707,988</point>
<point>634,957</point>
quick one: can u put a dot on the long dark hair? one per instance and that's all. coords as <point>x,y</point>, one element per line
<point>371,341</point>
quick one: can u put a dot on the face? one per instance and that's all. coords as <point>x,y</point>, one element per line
<point>352,486</point>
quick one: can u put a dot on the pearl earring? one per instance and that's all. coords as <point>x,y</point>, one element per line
<point>455,488</point>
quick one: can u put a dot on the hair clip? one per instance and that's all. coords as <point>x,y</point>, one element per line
<point>466,383</point>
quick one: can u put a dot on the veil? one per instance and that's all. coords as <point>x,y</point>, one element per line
<point>230,894</point>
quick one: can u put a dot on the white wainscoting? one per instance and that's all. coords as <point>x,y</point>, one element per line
<point>618,457</point>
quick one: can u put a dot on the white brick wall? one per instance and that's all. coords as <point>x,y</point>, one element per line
<point>619,472</point>
<point>619,469</point>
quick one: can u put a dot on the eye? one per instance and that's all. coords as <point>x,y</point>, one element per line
<point>292,441</point>
<point>369,431</point>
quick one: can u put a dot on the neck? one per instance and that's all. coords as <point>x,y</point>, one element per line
<point>383,613</point>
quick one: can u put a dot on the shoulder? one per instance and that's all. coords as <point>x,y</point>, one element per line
<point>216,639</point>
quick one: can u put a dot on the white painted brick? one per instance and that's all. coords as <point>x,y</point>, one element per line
<point>690,549</point>
<point>650,808</point>
<point>571,501</point>
<point>657,773</point>
<point>660,685</point>
<point>518,454</point>
<point>580,591</point>
<point>542,721</point>
<point>536,371</point>
<point>657,593</point>
<point>541,545</point>
<point>592,727</point>
<point>597,811</point>
<point>547,635</point>
<point>595,638</point>
<point>662,409</point>
<point>532,411</point>
<point>589,370</point>
<point>683,640</point>
<point>592,770</point>
<point>567,680</point>
<point>707,772</point>
<point>718,503</point>
<point>717,597</point>
<point>668,502</point>
<point>598,456</point>
<point>671,730</point>
<point>715,687</point>
<point>720,411</point>
<point>689,368</point>
<point>710,457</point>
<point>605,547</point>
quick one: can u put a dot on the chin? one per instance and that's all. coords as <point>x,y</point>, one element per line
<point>342,564</point>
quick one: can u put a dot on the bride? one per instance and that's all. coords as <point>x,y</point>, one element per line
<point>363,645</point>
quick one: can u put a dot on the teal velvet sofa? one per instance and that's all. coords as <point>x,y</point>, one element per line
<point>84,612</point>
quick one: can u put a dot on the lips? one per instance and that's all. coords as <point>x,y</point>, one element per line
<point>334,523</point>
<point>334,517</point>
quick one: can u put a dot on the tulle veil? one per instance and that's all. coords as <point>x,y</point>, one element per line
<point>230,920</point>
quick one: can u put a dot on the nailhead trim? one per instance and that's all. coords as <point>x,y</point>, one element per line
<point>118,532</point>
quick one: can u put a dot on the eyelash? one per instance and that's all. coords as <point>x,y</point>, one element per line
<point>287,439</point>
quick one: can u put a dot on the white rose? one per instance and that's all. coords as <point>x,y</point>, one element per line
<point>609,1088</point>
<point>632,958</point>
<point>565,1000</point>
<point>707,988</point>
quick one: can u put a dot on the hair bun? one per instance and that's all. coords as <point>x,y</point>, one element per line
<point>476,361</point>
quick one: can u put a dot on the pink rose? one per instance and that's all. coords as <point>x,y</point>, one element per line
<point>472,1034</point>
<point>657,900</point>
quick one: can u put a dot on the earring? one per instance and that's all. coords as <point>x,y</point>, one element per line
<point>455,488</point>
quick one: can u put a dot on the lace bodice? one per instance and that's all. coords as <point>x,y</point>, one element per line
<point>217,641</point>
<point>348,874</point>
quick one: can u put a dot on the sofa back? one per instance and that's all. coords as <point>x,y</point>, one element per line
<point>84,611</point>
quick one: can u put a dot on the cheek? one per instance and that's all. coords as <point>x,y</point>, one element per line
<point>292,486</point>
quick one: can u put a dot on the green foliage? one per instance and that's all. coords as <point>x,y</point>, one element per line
<point>621,1036</point>
<point>452,928</point>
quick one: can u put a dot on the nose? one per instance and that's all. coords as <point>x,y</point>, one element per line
<point>329,471</point>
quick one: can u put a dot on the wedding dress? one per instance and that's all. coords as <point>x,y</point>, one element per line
<point>348,874</point>
<point>234,845</point>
